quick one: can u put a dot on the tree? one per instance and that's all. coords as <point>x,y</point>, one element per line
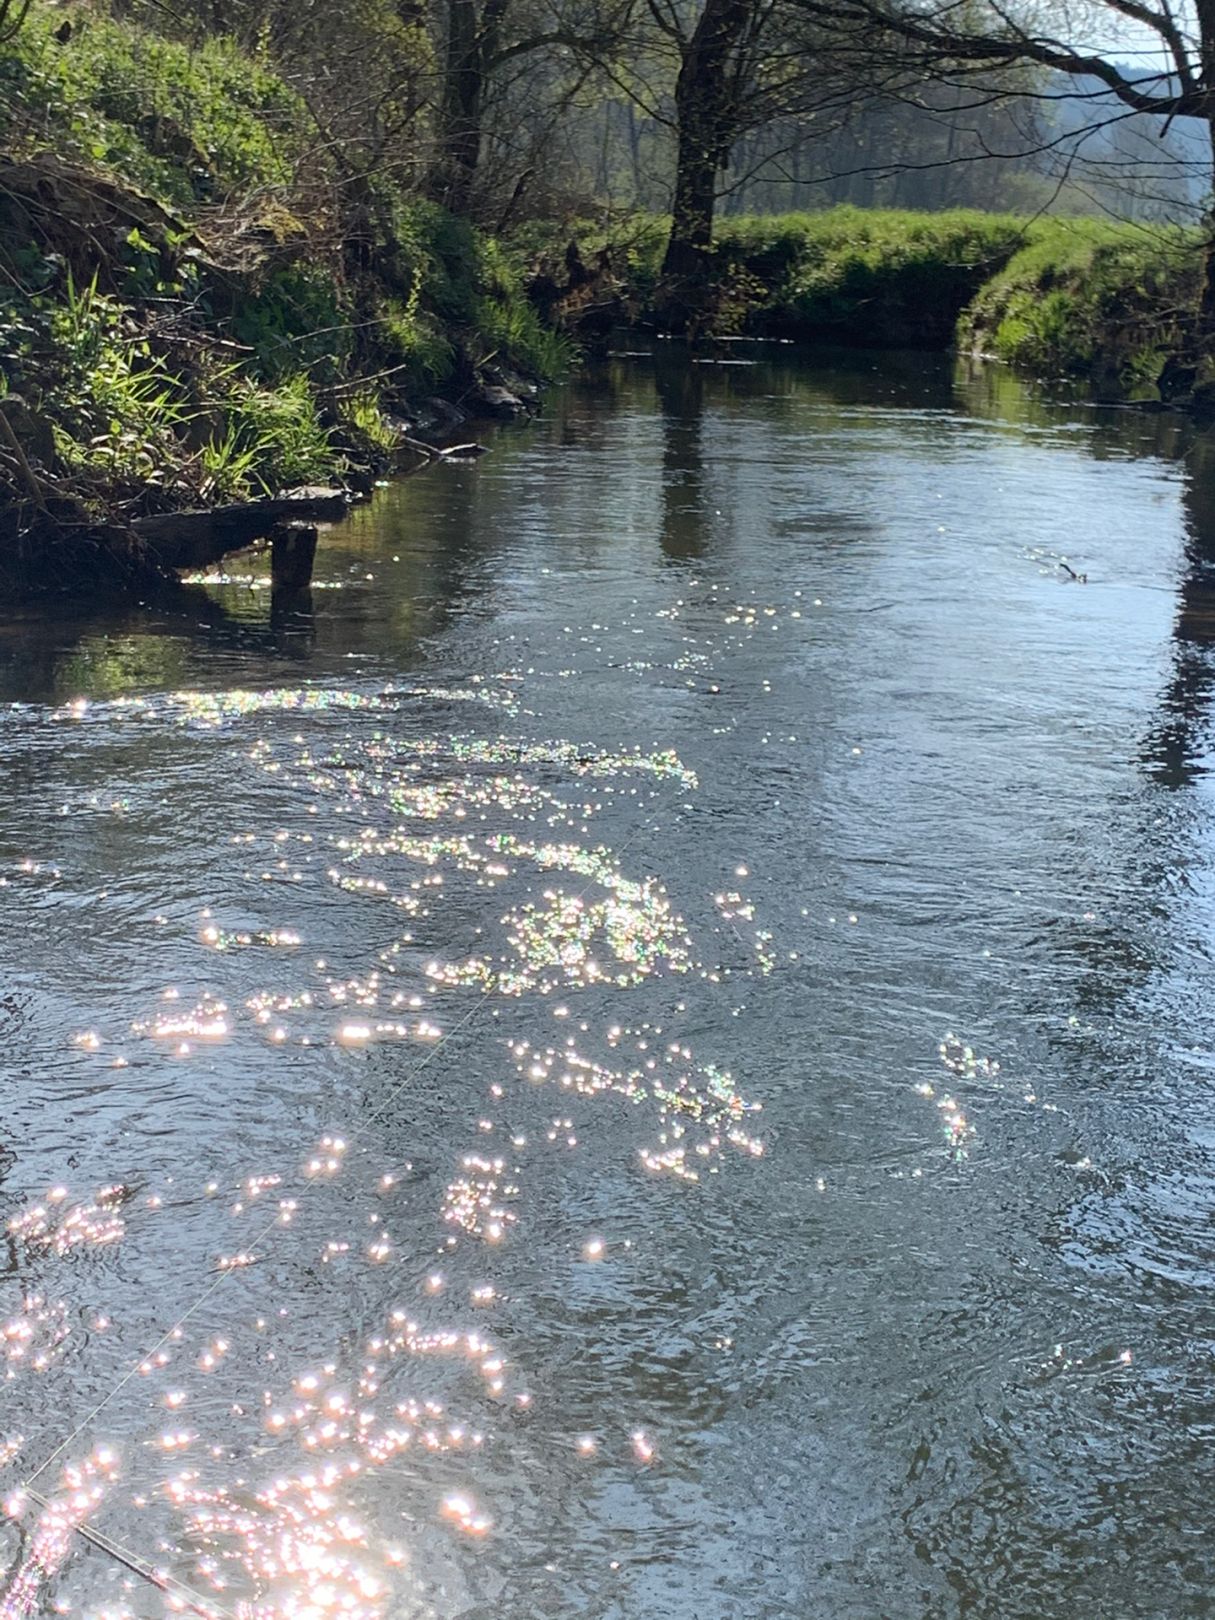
<point>967,44</point>
<point>743,64</point>
<point>718,59</point>
<point>481,39</point>
<point>750,67</point>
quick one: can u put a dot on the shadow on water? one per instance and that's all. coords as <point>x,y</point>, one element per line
<point>48,654</point>
<point>52,652</point>
<point>680,391</point>
<point>1176,749</point>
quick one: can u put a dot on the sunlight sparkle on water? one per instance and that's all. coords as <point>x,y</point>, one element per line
<point>267,1481</point>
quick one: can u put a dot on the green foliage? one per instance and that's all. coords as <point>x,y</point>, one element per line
<point>1089,297</point>
<point>180,122</point>
<point>883,277</point>
<point>228,465</point>
<point>117,409</point>
<point>124,419</point>
<point>510,330</point>
<point>437,259</point>
<point>635,242</point>
<point>467,284</point>
<point>1052,295</point>
<point>157,269</point>
<point>293,319</point>
<point>271,439</point>
<point>506,323</point>
<point>363,416</point>
<point>411,337</point>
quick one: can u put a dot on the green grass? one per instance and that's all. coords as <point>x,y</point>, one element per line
<point>125,421</point>
<point>363,419</point>
<point>1051,295</point>
<point>465,284</point>
<point>116,410</point>
<point>1054,296</point>
<point>884,278</point>
<point>1087,297</point>
<point>180,122</point>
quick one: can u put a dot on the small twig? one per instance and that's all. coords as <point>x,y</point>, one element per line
<point>27,472</point>
<point>353,384</point>
<point>417,446</point>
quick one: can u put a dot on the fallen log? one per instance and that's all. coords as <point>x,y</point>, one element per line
<point>180,540</point>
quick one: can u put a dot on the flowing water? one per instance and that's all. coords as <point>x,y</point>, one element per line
<point>651,1056</point>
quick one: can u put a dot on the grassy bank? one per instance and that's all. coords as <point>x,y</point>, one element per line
<point>197,306</point>
<point>204,299</point>
<point>1052,296</point>
<point>1084,298</point>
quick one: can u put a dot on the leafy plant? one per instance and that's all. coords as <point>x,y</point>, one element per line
<point>294,320</point>
<point>272,439</point>
<point>179,120</point>
<point>117,408</point>
<point>363,413</point>
<point>411,337</point>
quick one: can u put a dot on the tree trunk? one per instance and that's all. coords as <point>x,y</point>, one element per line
<point>691,237</point>
<point>706,111</point>
<point>1188,375</point>
<point>460,111</point>
<point>1204,336</point>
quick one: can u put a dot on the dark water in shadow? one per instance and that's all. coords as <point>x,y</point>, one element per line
<point>408,973</point>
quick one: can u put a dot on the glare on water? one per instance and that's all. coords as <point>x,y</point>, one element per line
<point>671,1082</point>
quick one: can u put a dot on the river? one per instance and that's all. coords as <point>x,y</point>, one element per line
<point>648,1059</point>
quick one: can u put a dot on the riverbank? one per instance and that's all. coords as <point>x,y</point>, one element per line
<point>1053,296</point>
<point>202,304</point>
<point>198,307</point>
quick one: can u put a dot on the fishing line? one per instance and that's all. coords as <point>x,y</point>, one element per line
<point>169,1585</point>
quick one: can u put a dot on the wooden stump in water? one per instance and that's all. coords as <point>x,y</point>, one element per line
<point>292,553</point>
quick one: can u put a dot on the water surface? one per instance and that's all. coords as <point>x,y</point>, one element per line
<point>648,1057</point>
